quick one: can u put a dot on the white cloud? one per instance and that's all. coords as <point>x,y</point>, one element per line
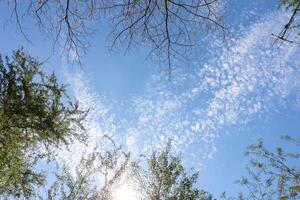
<point>99,121</point>
<point>251,77</point>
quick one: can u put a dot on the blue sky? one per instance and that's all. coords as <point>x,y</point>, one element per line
<point>226,97</point>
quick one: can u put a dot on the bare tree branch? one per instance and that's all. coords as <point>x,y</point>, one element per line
<point>290,24</point>
<point>168,28</point>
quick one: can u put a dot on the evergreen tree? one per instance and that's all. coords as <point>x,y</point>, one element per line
<point>34,116</point>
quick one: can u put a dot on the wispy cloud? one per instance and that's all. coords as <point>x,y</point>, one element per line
<point>251,77</point>
<point>98,124</point>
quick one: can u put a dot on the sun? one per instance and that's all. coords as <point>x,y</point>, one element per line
<point>125,192</point>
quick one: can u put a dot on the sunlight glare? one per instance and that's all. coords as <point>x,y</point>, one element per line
<point>125,192</point>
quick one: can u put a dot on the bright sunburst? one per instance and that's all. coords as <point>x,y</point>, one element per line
<point>125,192</point>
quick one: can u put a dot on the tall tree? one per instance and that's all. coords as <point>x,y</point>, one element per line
<point>34,115</point>
<point>93,178</point>
<point>166,178</point>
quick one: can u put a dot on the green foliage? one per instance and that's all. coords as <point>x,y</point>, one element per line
<point>33,116</point>
<point>99,173</point>
<point>272,174</point>
<point>79,186</point>
<point>290,3</point>
<point>167,178</point>
<point>93,178</point>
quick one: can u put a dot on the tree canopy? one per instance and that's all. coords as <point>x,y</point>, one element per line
<point>272,174</point>
<point>34,115</point>
<point>166,178</point>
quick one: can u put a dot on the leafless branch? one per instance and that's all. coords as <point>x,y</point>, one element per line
<point>289,25</point>
<point>168,28</point>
